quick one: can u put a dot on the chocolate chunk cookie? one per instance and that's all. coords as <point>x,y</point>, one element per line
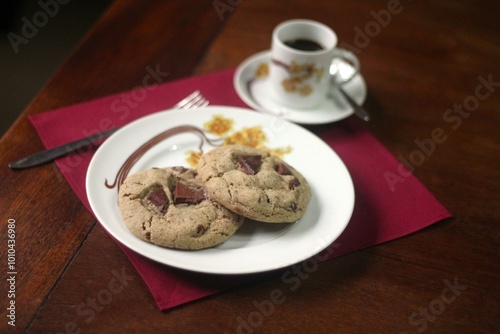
<point>168,207</point>
<point>254,184</point>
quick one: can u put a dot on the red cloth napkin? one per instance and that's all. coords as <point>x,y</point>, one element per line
<point>390,202</point>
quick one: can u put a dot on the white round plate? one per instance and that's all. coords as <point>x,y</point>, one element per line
<point>256,247</point>
<point>255,93</point>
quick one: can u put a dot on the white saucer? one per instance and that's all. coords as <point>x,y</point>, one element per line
<point>255,93</point>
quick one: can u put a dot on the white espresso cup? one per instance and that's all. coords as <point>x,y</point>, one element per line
<point>302,52</point>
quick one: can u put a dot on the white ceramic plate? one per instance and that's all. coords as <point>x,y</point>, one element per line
<point>255,247</point>
<point>255,93</point>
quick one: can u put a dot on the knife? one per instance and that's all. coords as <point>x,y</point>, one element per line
<point>358,110</point>
<point>59,151</point>
<point>192,101</point>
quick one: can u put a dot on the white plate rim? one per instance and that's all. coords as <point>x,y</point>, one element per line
<point>338,203</point>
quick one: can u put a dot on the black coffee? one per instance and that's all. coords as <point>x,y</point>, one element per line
<point>304,45</point>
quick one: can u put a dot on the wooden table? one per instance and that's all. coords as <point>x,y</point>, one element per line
<point>428,65</point>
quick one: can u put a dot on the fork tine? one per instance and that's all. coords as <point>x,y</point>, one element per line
<point>192,101</point>
<point>200,103</point>
<point>204,103</point>
<point>197,102</point>
<point>187,99</point>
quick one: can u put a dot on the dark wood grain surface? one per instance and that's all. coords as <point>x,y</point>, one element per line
<point>428,65</point>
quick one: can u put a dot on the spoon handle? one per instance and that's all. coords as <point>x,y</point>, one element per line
<point>358,110</point>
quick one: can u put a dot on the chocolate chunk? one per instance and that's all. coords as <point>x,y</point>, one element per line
<point>250,163</point>
<point>158,198</point>
<point>180,169</point>
<point>199,230</point>
<point>188,195</point>
<point>282,169</point>
<point>293,183</point>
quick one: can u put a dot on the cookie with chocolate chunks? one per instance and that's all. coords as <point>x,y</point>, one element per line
<point>168,207</point>
<point>254,184</point>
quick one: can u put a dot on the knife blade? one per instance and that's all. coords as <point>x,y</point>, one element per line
<point>59,151</point>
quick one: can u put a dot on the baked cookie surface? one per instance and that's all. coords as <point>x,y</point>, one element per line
<point>168,207</point>
<point>254,184</point>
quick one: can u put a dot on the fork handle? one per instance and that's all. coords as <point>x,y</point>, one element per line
<point>59,151</point>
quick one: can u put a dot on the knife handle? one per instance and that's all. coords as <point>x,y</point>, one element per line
<point>59,151</point>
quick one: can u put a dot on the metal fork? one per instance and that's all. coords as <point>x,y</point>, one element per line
<point>192,101</point>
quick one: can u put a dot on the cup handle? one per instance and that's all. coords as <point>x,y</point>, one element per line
<point>344,67</point>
